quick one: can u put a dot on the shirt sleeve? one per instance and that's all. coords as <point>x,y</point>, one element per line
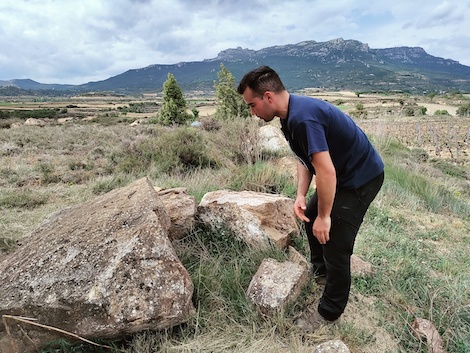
<point>311,137</point>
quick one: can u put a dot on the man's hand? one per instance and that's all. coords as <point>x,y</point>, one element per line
<point>299,208</point>
<point>321,229</point>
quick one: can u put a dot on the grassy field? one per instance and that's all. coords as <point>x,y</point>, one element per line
<point>416,234</point>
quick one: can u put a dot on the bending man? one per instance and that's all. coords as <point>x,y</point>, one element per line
<point>348,175</point>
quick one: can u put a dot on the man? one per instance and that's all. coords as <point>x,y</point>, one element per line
<point>348,174</point>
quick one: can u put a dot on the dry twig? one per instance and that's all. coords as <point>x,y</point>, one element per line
<point>31,321</point>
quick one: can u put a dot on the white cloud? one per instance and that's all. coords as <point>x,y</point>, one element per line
<point>76,41</point>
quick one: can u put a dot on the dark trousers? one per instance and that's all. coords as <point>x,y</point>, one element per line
<point>333,259</point>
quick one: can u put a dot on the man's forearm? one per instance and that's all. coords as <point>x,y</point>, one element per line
<point>326,191</point>
<point>325,180</point>
<point>304,178</point>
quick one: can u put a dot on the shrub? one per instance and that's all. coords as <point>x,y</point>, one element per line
<point>6,243</point>
<point>263,177</point>
<point>441,112</point>
<point>422,110</point>
<point>419,155</point>
<point>176,150</point>
<point>450,168</point>
<point>47,171</point>
<point>5,124</point>
<point>195,113</point>
<point>409,111</point>
<point>358,113</point>
<point>464,110</point>
<point>36,114</point>
<point>182,150</point>
<point>237,141</point>
<point>112,119</point>
<point>210,124</point>
<point>21,199</point>
<point>106,184</point>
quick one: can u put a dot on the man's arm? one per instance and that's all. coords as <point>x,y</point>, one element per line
<point>304,178</point>
<point>325,178</point>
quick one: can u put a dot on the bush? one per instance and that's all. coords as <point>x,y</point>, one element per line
<point>358,114</point>
<point>422,110</point>
<point>183,150</point>
<point>450,169</point>
<point>112,119</point>
<point>176,150</point>
<point>21,199</point>
<point>36,114</point>
<point>5,124</point>
<point>409,111</point>
<point>441,112</point>
<point>419,155</point>
<point>106,184</point>
<point>48,173</point>
<point>263,177</point>
<point>237,141</point>
<point>7,243</point>
<point>464,110</point>
<point>210,124</point>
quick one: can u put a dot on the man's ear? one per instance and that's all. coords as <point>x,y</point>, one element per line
<point>269,96</point>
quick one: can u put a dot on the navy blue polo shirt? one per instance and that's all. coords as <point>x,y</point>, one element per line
<point>313,125</point>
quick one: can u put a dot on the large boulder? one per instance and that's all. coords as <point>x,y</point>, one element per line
<point>101,269</point>
<point>256,218</point>
<point>35,122</point>
<point>181,208</point>
<point>272,139</point>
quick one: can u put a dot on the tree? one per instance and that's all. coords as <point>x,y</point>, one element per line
<point>464,110</point>
<point>173,109</point>
<point>431,95</point>
<point>229,104</point>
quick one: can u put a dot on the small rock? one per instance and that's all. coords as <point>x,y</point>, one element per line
<point>334,346</point>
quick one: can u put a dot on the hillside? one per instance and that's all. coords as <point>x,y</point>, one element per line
<point>333,65</point>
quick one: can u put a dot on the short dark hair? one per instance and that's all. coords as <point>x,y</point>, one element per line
<point>261,80</point>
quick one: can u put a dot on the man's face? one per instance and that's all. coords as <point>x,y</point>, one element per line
<point>259,106</point>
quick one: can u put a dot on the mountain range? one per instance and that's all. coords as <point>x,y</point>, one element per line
<point>334,65</point>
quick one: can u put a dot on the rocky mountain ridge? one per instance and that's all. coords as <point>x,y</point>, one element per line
<point>335,64</point>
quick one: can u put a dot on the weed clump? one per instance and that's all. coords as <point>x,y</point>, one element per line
<point>175,150</point>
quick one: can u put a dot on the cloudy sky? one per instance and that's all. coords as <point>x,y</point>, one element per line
<point>77,41</point>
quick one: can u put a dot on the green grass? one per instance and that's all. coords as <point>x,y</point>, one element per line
<point>434,195</point>
<point>416,280</point>
<point>423,262</point>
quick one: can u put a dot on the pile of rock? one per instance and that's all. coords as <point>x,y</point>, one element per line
<point>107,268</point>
